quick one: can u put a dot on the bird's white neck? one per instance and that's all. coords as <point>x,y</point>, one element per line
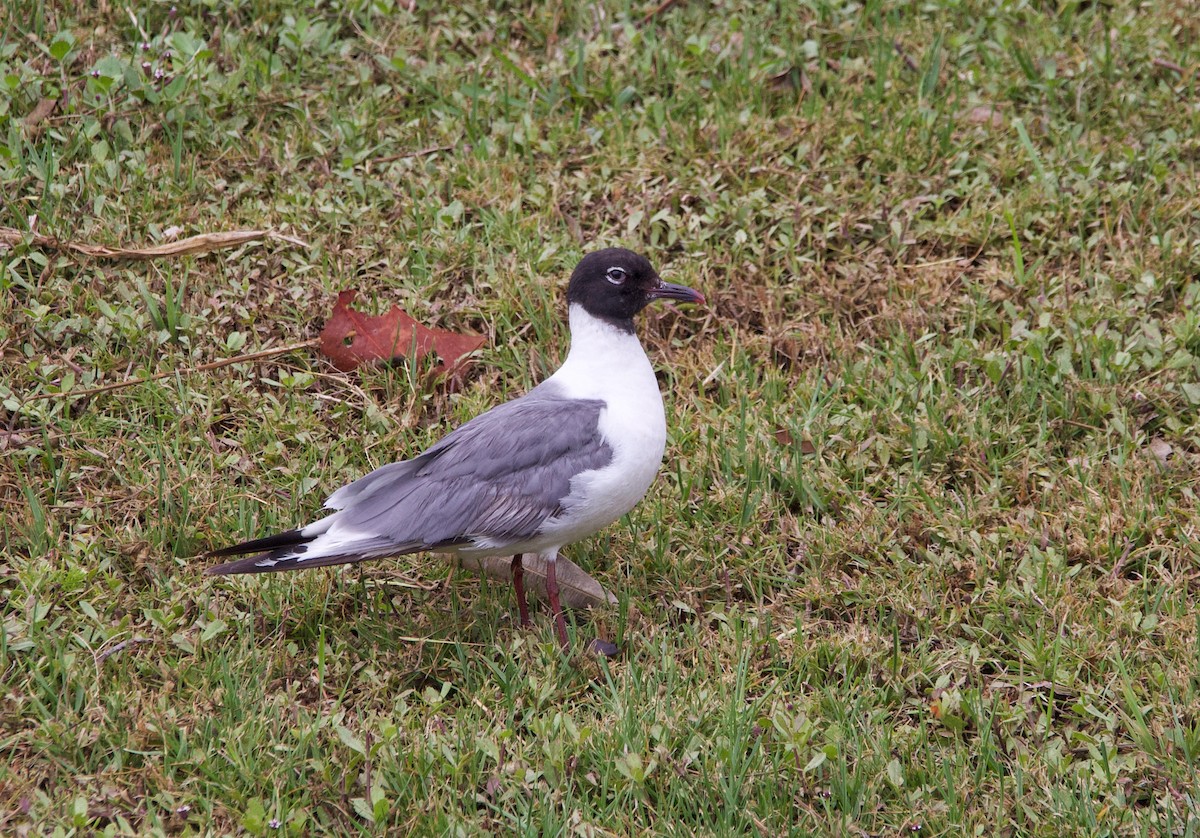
<point>603,360</point>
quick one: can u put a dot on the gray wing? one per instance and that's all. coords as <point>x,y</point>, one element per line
<point>496,479</point>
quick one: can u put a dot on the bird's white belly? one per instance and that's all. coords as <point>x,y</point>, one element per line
<point>601,496</point>
<point>608,365</point>
<point>632,423</point>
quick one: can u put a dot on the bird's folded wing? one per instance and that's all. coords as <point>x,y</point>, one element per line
<point>493,481</point>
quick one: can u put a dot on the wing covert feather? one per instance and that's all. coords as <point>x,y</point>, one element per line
<point>497,478</point>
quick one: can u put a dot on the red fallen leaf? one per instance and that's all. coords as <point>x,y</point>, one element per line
<point>784,437</point>
<point>493,786</point>
<point>351,338</point>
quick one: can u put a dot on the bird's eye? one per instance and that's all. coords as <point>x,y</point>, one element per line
<point>616,276</point>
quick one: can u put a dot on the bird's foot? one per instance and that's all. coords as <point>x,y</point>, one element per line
<point>604,648</point>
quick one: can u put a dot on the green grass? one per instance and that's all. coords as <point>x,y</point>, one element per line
<point>923,555</point>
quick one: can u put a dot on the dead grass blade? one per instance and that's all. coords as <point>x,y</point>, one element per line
<point>202,243</point>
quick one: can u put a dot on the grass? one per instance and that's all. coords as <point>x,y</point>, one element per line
<point>923,555</point>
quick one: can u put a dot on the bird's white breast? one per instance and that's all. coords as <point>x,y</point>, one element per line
<point>608,364</point>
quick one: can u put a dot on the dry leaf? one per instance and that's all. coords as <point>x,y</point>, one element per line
<point>576,589</point>
<point>787,352</point>
<point>916,202</point>
<point>41,111</point>
<point>793,78</point>
<point>1161,449</point>
<point>351,338</point>
<point>985,115</point>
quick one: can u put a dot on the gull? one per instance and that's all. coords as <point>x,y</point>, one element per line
<point>531,475</point>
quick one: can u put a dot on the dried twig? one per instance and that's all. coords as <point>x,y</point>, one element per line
<point>658,10</point>
<point>213,365</point>
<point>405,638</point>
<point>1119,565</point>
<point>112,650</point>
<point>909,61</point>
<point>202,243</point>
<point>1167,64</point>
<point>392,158</point>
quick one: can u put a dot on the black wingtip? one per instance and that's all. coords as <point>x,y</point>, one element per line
<point>287,558</point>
<point>230,568</point>
<point>272,546</point>
<point>252,564</point>
<point>291,538</point>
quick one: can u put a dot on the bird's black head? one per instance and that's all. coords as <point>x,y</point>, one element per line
<point>615,284</point>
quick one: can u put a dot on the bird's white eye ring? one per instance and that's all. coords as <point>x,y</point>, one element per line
<point>616,276</point>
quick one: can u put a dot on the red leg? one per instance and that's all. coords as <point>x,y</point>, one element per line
<point>518,580</point>
<point>560,622</point>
